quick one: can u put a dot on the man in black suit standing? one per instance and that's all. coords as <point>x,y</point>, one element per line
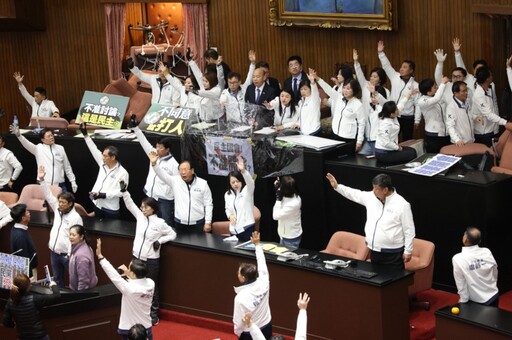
<point>273,82</point>
<point>295,69</point>
<point>258,93</point>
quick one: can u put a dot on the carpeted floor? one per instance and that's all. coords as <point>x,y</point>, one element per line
<point>178,326</point>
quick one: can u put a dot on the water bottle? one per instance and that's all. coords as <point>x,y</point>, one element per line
<point>15,121</point>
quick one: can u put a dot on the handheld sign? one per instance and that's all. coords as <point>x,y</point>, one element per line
<point>102,109</point>
<point>166,119</point>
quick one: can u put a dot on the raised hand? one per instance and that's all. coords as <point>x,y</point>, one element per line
<point>153,157</point>
<point>303,301</point>
<point>240,164</point>
<point>18,77</point>
<point>355,55</point>
<point>14,130</point>
<point>255,237</point>
<point>440,55</point>
<point>445,80</point>
<point>380,46</point>
<point>41,173</point>
<point>332,180</point>
<point>312,76</point>
<point>456,44</point>
<point>252,57</point>
<point>98,248</point>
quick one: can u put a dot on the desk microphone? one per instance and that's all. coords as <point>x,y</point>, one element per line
<point>17,251</point>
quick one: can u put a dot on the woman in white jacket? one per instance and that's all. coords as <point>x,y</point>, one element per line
<point>239,202</point>
<point>209,91</point>
<point>287,212</point>
<point>151,231</point>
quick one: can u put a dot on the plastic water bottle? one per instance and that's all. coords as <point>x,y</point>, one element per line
<point>15,121</point>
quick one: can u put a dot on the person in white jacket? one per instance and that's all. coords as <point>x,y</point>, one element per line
<point>65,216</point>
<point>193,197</point>
<point>151,232</point>
<point>475,271</point>
<point>41,106</point>
<point>389,227</point>
<point>401,83</point>
<point>285,110</point>
<point>136,289</point>
<point>239,202</point>
<point>209,91</point>
<point>50,155</point>
<point>5,215</point>
<point>433,110</point>
<point>10,167</point>
<point>459,120</point>
<point>154,186</point>
<point>253,294</point>
<point>161,89</point>
<point>302,321</point>
<point>287,211</point>
<point>105,193</point>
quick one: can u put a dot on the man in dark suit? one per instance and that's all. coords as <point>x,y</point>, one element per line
<point>211,57</point>
<point>295,69</point>
<point>272,82</point>
<point>258,93</point>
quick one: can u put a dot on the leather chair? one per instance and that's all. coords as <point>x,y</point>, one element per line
<point>32,195</point>
<point>82,212</point>
<point>504,153</point>
<point>472,154</point>
<point>422,264</point>
<point>222,227</point>
<point>346,244</point>
<point>9,198</point>
<point>49,122</point>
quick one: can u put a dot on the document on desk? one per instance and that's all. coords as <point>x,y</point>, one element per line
<point>435,165</point>
<point>241,128</point>
<point>203,125</point>
<point>265,131</point>
<point>313,142</point>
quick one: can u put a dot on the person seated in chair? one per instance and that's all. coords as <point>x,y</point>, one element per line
<point>475,271</point>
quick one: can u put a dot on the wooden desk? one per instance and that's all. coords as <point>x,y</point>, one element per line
<point>443,207</point>
<point>475,322</point>
<point>198,272</point>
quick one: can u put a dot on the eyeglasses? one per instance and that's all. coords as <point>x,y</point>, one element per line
<point>457,76</point>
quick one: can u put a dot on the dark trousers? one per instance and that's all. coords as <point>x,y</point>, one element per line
<point>391,260</point>
<point>60,265</point>
<point>106,213</point>
<point>433,144</point>
<point>153,266</point>
<point>406,127</point>
<point>246,234</point>
<point>266,330</point>
<point>166,210</point>
<point>396,157</point>
<point>485,139</point>
<point>192,228</point>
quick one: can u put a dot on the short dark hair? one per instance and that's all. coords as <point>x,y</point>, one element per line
<point>67,196</point>
<point>288,186</point>
<point>41,91</point>
<point>43,132</point>
<point>462,70</point>
<point>112,151</point>
<point>426,85</point>
<point>249,271</point>
<point>188,162</point>
<point>262,63</point>
<point>356,88</point>
<point>152,203</point>
<point>480,62</point>
<point>411,63</point>
<point>166,142</point>
<point>18,211</point>
<point>482,74</point>
<point>383,181</point>
<point>234,74</point>
<point>456,86</point>
<point>295,57</point>
<point>211,53</point>
<point>139,268</point>
<point>346,72</point>
<point>80,230</point>
<point>473,235</point>
<point>388,108</point>
<point>137,332</point>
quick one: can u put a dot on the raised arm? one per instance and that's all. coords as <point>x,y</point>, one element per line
<point>441,57</point>
<point>252,67</point>
<point>22,88</point>
<point>48,196</point>
<point>386,65</point>
<point>359,71</point>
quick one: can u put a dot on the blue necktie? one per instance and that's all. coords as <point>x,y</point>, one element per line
<point>295,85</point>
<point>257,95</point>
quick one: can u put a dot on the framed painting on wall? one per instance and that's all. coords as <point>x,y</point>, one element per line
<point>363,14</point>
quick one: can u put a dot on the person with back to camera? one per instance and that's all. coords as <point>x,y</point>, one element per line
<point>475,271</point>
<point>21,241</point>
<point>50,155</point>
<point>387,149</point>
<point>137,332</point>
<point>82,271</point>
<point>253,294</point>
<point>65,216</point>
<point>41,106</point>
<point>10,167</point>
<point>239,202</point>
<point>151,231</point>
<point>22,309</point>
<point>302,322</point>
<point>287,211</point>
<point>136,289</point>
<point>389,226</point>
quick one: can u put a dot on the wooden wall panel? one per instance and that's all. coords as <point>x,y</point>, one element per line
<point>69,57</point>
